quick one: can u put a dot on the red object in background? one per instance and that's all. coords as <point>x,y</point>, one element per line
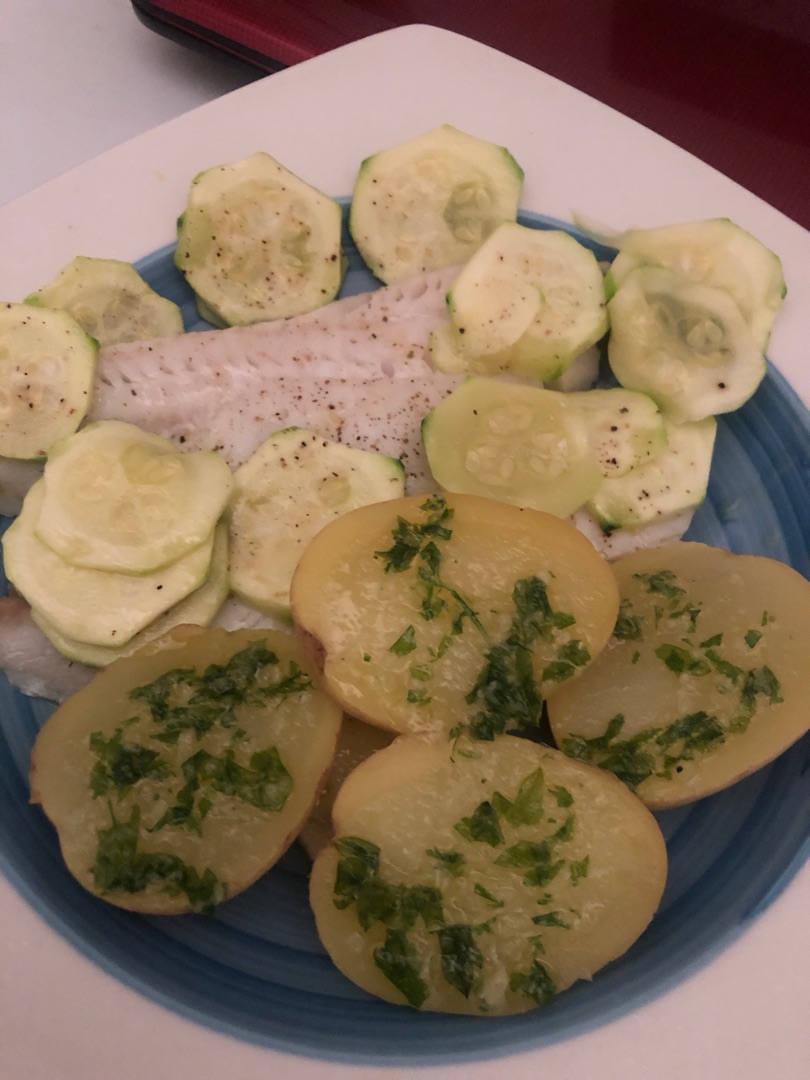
<point>727,80</point>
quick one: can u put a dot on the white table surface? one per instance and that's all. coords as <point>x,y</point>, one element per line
<point>77,78</point>
<point>82,76</point>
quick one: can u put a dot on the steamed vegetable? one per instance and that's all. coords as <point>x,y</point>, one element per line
<point>255,242</point>
<point>528,303</point>
<point>431,201</point>
<point>518,444</point>
<point>47,366</point>
<point>293,485</point>
<point>180,774</point>
<point>485,882</point>
<point>451,613</point>
<point>704,679</point>
<point>110,301</point>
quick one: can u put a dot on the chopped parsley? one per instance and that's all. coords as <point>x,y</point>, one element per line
<point>183,699</point>
<point>579,869</point>
<point>681,661</point>
<point>451,861</point>
<point>628,627</point>
<point>507,688</point>
<point>461,959</point>
<point>485,894</point>
<point>662,583</point>
<point>121,867</point>
<point>482,826</point>
<point>120,766</point>
<point>405,643</point>
<point>646,753</point>
<point>536,983</point>
<point>551,918</point>
<point>264,783</point>
<point>398,960</point>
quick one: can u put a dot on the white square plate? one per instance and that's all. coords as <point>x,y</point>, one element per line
<point>743,1016</point>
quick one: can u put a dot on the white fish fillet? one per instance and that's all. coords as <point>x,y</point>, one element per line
<point>29,660</point>
<point>357,370</point>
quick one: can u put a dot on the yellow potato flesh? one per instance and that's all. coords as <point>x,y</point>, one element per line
<point>356,742</point>
<point>242,819</point>
<point>719,646</point>
<point>387,663</point>
<point>601,886</point>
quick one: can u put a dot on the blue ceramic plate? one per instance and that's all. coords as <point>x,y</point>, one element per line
<point>256,969</point>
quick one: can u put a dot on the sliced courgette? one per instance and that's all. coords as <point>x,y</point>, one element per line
<point>431,202</point>
<point>674,480</point>
<point>714,252</point>
<point>626,428</point>
<point>196,609</point>
<point>95,606</point>
<point>256,242</point>
<point>685,345</point>
<point>118,498</point>
<point>294,484</point>
<point>528,302</point>
<point>110,300</point>
<point>514,443</point>
<point>47,365</point>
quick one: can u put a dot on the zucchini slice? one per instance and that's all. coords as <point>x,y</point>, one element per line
<point>95,606</point>
<point>715,252</point>
<point>47,366</point>
<point>121,499</point>
<point>686,345</point>
<point>431,202</point>
<point>528,302</point>
<point>110,301</point>
<point>625,428</point>
<point>514,443</point>
<point>674,480</point>
<point>196,609</point>
<point>293,485</point>
<point>255,242</point>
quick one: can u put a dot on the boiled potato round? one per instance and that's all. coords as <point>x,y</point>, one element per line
<point>356,742</point>
<point>483,882</point>
<point>426,613</point>
<point>183,772</point>
<point>705,678</point>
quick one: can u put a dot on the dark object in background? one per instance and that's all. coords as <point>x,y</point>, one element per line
<point>727,80</point>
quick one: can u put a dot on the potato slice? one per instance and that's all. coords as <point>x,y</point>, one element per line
<point>183,772</point>
<point>356,742</point>
<point>451,613</point>
<point>484,882</point>
<point>704,679</point>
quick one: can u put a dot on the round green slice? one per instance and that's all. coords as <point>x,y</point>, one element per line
<point>256,242</point>
<point>120,499</point>
<point>686,345</point>
<point>110,300</point>
<point>293,485</point>
<point>517,444</point>
<point>99,607</point>
<point>196,609</point>
<point>431,201</point>
<point>47,367</point>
